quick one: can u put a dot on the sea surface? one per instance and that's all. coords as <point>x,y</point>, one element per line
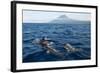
<point>77,35</point>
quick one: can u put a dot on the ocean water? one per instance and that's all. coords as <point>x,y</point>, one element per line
<point>77,35</point>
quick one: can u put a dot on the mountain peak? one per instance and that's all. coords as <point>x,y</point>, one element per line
<point>61,19</point>
<point>63,16</point>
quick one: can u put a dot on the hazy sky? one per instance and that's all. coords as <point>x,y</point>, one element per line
<point>47,16</point>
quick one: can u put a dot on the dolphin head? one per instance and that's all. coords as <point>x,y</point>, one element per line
<point>36,41</point>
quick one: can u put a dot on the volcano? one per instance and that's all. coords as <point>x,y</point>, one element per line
<point>64,19</point>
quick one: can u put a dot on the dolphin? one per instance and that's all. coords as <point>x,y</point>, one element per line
<point>47,45</point>
<point>70,48</point>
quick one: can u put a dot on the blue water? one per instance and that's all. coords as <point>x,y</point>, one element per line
<point>78,35</point>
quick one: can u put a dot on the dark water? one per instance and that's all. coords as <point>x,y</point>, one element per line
<point>77,35</point>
